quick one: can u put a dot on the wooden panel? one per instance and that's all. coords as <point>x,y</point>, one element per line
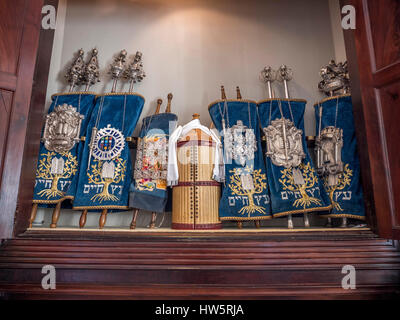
<point>376,48</point>
<point>34,126</point>
<point>360,119</point>
<point>11,24</point>
<point>199,268</point>
<point>390,100</point>
<point>8,81</point>
<point>384,18</point>
<point>20,26</point>
<point>5,110</point>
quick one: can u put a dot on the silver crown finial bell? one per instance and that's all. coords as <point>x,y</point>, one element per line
<point>135,73</point>
<point>117,68</point>
<point>285,74</point>
<point>75,72</point>
<point>268,76</point>
<point>92,73</point>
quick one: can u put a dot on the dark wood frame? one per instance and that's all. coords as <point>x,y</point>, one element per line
<point>98,264</point>
<point>35,121</point>
<point>35,124</point>
<point>18,168</point>
<point>368,81</point>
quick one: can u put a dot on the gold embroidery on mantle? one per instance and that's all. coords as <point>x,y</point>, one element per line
<point>95,177</point>
<point>310,180</point>
<point>44,172</point>
<point>344,180</point>
<point>237,188</point>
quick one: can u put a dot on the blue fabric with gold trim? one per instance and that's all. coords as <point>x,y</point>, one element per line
<point>149,193</point>
<point>240,203</point>
<point>347,196</point>
<point>105,183</point>
<point>286,196</point>
<point>51,188</point>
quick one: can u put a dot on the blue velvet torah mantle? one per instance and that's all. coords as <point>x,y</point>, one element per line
<point>287,197</point>
<point>148,192</point>
<point>51,189</point>
<point>238,202</point>
<point>347,196</point>
<point>100,187</point>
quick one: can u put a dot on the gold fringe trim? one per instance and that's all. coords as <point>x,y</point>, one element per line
<point>102,208</point>
<point>333,98</point>
<point>53,201</point>
<point>281,99</point>
<point>73,93</point>
<point>120,94</point>
<point>284,214</point>
<point>351,216</point>
<point>245,219</point>
<point>230,100</point>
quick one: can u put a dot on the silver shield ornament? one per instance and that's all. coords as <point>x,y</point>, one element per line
<point>284,143</point>
<point>108,144</point>
<point>62,128</point>
<point>329,154</point>
<point>240,143</point>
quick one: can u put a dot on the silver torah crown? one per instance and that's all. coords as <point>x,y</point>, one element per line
<point>240,143</point>
<point>284,143</point>
<point>329,154</point>
<point>75,73</point>
<point>92,73</point>
<point>117,68</point>
<point>135,72</point>
<point>335,79</point>
<point>62,128</point>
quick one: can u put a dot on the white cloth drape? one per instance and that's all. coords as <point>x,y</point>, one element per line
<point>173,174</point>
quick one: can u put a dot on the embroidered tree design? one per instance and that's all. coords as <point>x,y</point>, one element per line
<point>44,172</point>
<point>343,181</point>
<point>310,179</point>
<point>259,181</point>
<point>95,177</point>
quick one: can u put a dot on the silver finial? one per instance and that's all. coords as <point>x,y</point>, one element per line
<point>91,75</point>
<point>284,75</point>
<point>135,73</point>
<point>75,72</point>
<point>117,68</point>
<point>268,75</point>
<point>335,78</point>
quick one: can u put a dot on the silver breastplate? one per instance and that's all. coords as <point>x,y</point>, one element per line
<point>284,143</point>
<point>329,154</point>
<point>62,128</point>
<point>240,143</point>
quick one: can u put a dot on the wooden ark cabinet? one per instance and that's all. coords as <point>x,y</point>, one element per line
<point>224,265</point>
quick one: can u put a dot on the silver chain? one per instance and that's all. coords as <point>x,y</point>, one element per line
<point>101,111</point>
<point>337,110</point>
<point>321,109</point>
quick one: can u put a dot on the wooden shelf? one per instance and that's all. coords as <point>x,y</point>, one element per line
<point>199,268</point>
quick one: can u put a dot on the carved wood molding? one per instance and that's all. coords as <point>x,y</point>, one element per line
<point>204,269</point>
